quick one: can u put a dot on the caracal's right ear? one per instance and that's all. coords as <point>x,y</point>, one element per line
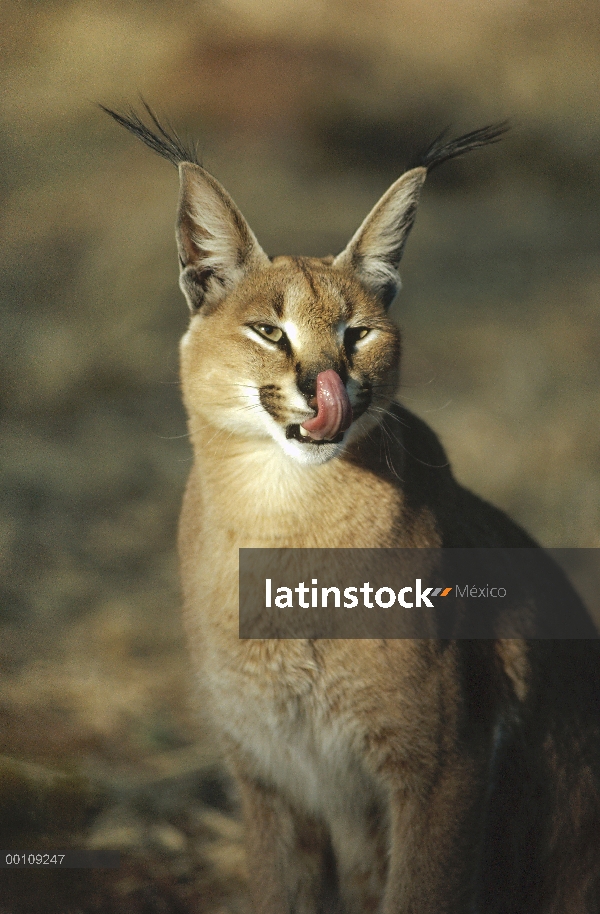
<point>216,245</point>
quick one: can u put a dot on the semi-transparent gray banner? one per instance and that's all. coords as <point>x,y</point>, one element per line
<point>419,593</point>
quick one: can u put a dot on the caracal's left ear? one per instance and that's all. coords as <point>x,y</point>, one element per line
<point>215,243</point>
<point>375,250</point>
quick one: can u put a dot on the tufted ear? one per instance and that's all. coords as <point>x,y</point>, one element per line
<point>217,246</point>
<point>215,243</point>
<point>375,250</point>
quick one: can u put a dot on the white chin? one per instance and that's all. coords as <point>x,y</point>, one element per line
<point>305,452</point>
<point>308,453</point>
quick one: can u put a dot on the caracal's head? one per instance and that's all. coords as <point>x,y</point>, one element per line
<point>293,350</point>
<point>298,350</point>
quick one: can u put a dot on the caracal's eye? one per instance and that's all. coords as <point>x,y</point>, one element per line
<point>273,334</point>
<point>353,335</point>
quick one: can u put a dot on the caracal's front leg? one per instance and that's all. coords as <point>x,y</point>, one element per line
<point>291,869</point>
<point>435,843</point>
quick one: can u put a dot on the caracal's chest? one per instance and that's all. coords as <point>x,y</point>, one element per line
<point>290,736</point>
<point>283,704</point>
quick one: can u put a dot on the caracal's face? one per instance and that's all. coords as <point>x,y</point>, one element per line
<point>298,341</point>
<point>298,351</point>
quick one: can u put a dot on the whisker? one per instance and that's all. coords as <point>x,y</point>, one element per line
<point>437,409</point>
<point>224,400</point>
<point>224,444</point>
<point>389,415</point>
<point>388,453</point>
<point>247,407</point>
<point>419,384</point>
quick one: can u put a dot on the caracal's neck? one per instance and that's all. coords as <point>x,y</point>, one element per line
<point>251,485</point>
<point>259,496</point>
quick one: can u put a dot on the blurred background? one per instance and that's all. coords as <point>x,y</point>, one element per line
<point>306,110</point>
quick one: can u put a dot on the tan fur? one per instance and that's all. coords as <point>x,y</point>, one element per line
<point>392,776</point>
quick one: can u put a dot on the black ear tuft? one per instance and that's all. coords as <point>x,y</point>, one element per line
<point>441,151</point>
<point>165,142</point>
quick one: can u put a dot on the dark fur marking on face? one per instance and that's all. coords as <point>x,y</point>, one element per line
<point>342,370</point>
<point>270,398</point>
<point>363,400</point>
<point>278,303</point>
<point>308,277</point>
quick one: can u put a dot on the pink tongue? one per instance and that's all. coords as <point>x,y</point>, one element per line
<point>334,412</point>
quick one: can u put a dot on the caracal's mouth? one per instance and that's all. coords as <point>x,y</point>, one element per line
<point>334,412</point>
<point>298,433</point>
